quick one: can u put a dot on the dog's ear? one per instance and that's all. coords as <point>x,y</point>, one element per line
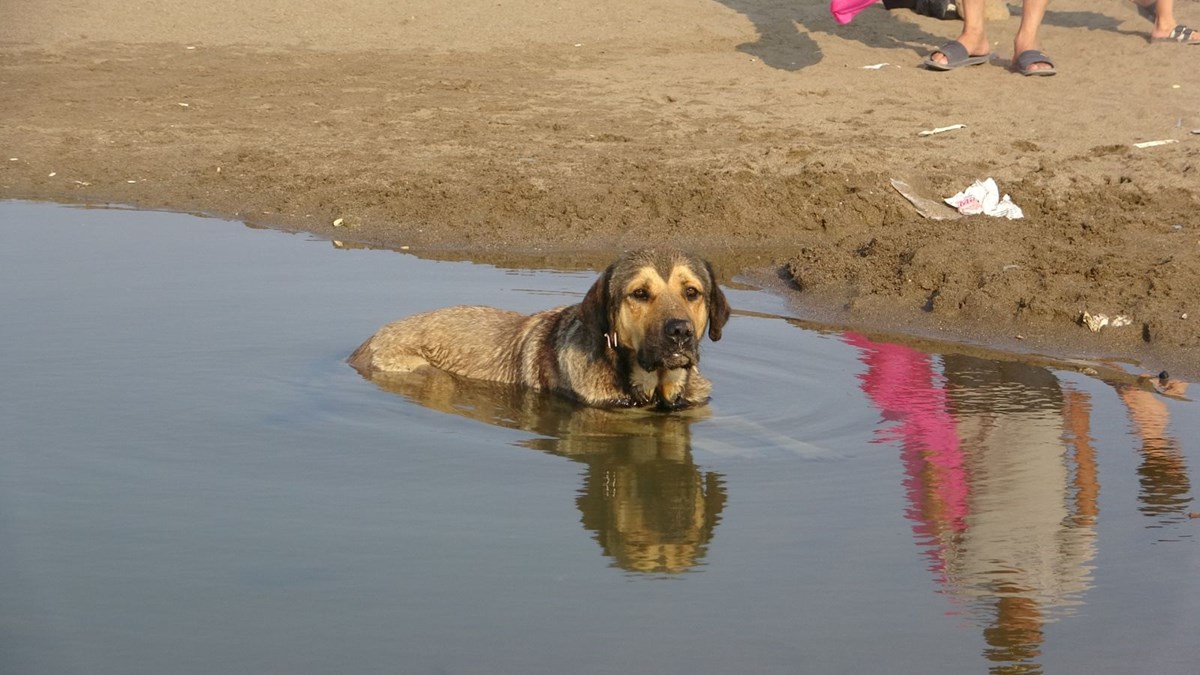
<point>594,308</point>
<point>718,306</point>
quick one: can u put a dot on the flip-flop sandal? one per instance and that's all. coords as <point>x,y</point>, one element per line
<point>1031,57</point>
<point>956,57</point>
<point>1181,34</point>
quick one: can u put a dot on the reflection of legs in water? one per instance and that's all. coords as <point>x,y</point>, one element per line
<point>1163,472</point>
<point>1023,559</point>
<point>1077,409</point>
<point>1016,637</point>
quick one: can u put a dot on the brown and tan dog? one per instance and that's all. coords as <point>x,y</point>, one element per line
<point>634,341</point>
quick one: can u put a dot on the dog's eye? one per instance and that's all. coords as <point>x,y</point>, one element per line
<point>691,293</point>
<point>640,294</point>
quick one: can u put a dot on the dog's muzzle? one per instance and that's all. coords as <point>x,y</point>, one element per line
<point>675,347</point>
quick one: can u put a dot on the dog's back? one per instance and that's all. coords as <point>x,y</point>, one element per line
<point>480,342</point>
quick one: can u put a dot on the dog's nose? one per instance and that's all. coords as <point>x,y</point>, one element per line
<point>679,330</point>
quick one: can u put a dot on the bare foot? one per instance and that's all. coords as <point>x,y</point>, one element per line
<point>1021,46</point>
<point>977,45</point>
<point>1185,35</point>
<point>1165,24</point>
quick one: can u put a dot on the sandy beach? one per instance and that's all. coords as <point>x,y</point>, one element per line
<point>757,132</point>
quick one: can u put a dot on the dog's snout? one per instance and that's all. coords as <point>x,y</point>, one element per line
<point>679,330</point>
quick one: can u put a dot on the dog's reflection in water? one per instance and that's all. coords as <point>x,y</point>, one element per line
<point>650,507</point>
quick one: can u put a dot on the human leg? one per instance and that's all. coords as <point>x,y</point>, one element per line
<point>973,37</point>
<point>1166,29</point>
<point>1027,59</point>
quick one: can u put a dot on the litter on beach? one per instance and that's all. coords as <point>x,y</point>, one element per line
<point>926,207</point>
<point>983,196</point>
<point>876,66</point>
<point>941,130</point>
<point>1094,322</point>
<point>1151,144</point>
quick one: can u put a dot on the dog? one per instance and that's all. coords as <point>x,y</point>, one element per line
<point>633,342</point>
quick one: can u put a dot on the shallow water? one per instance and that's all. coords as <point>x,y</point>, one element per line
<point>192,480</point>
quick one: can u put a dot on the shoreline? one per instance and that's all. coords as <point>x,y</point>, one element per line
<point>1116,355</point>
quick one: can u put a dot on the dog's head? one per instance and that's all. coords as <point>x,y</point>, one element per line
<point>656,304</point>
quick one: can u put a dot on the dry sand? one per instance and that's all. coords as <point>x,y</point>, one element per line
<point>553,132</point>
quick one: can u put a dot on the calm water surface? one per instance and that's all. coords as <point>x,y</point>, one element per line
<point>193,481</point>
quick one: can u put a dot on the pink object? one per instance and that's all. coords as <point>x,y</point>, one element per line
<point>901,382</point>
<point>844,11</point>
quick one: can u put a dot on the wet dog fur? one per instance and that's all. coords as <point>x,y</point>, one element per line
<point>634,340</point>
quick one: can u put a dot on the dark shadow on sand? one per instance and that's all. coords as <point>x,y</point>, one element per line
<point>786,29</point>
